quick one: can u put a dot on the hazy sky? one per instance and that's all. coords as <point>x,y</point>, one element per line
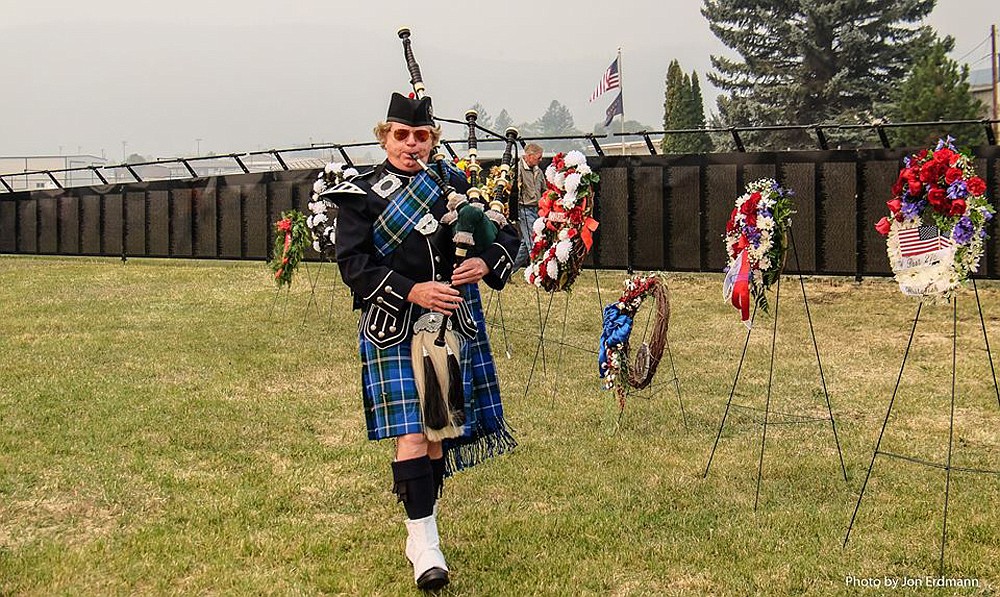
<point>243,75</point>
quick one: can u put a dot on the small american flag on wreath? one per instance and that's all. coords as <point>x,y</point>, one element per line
<point>914,242</point>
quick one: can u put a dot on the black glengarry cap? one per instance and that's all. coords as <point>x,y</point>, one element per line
<point>411,112</point>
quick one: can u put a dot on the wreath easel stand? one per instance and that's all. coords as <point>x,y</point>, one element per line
<point>540,345</point>
<point>542,324</point>
<point>675,380</point>
<point>313,281</point>
<point>333,295</point>
<point>543,321</point>
<point>274,302</point>
<point>491,320</point>
<point>791,418</point>
<point>947,465</point>
<point>314,285</point>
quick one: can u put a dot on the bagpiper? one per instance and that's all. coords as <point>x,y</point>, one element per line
<point>398,259</point>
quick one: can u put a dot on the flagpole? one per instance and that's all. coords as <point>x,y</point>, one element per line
<point>621,91</point>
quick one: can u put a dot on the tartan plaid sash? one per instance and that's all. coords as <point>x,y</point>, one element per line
<point>405,209</point>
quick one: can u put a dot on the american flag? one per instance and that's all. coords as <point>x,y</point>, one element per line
<point>609,81</point>
<point>914,242</point>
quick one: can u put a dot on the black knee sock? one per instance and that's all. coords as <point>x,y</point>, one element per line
<point>437,467</point>
<point>413,482</point>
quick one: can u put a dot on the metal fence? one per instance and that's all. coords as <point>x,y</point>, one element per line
<point>657,212</point>
<point>297,158</point>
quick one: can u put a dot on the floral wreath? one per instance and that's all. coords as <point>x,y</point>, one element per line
<point>496,183</point>
<point>320,223</point>
<point>756,243</point>
<point>563,233</point>
<point>291,239</point>
<point>493,189</point>
<point>612,357</point>
<point>936,230</point>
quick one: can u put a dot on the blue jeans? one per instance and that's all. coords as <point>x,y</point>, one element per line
<point>526,216</point>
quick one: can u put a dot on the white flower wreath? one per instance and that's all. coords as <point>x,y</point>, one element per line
<point>322,226</point>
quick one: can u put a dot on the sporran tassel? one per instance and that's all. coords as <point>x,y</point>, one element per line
<point>434,407</point>
<point>456,393</point>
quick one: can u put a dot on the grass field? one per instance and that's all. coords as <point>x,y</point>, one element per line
<point>173,427</point>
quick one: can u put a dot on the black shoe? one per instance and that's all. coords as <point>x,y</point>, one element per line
<point>433,579</point>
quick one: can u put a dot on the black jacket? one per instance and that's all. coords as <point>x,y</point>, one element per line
<point>380,285</point>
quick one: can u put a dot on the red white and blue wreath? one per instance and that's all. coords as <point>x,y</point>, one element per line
<point>322,222</point>
<point>613,353</point>
<point>756,242</point>
<point>936,229</point>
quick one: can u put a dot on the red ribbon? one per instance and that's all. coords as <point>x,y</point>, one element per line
<point>285,225</point>
<point>587,232</point>
<point>741,288</point>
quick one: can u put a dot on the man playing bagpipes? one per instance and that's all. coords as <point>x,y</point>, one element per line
<point>441,401</point>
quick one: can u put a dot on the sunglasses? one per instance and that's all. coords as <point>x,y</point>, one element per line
<point>419,135</point>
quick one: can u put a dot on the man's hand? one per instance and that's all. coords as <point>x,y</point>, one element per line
<point>435,296</point>
<point>471,271</point>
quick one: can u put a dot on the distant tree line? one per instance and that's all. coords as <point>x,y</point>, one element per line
<point>557,120</point>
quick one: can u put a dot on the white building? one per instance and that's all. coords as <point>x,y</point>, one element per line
<point>981,87</point>
<point>12,168</point>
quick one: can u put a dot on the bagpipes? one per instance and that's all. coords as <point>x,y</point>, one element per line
<point>476,218</point>
<point>474,225</point>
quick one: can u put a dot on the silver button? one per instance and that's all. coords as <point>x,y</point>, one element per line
<point>437,277</point>
<point>380,300</point>
<point>372,327</point>
<point>392,328</point>
<point>437,259</point>
<point>381,334</point>
<point>388,288</point>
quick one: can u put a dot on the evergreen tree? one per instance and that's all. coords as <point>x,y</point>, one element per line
<point>936,89</point>
<point>557,120</point>
<point>483,117</point>
<point>683,108</point>
<point>528,129</point>
<point>672,107</point>
<point>701,142</point>
<point>812,61</point>
<point>502,122</point>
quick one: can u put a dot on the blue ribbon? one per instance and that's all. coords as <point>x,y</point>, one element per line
<point>616,330</point>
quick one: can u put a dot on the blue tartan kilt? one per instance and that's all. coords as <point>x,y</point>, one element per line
<point>392,405</point>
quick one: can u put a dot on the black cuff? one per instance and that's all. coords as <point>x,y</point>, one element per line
<point>413,483</point>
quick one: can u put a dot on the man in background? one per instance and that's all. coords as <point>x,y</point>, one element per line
<point>531,185</point>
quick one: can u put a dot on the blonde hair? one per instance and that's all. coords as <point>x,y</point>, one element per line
<point>382,129</point>
<point>532,149</point>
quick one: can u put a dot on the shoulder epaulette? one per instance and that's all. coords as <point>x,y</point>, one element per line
<point>345,187</point>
